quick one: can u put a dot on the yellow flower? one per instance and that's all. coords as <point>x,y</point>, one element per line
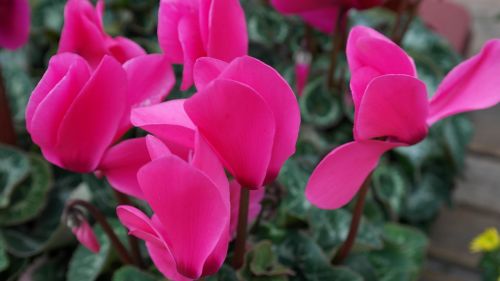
<point>487,241</point>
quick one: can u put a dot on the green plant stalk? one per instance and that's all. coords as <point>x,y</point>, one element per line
<point>7,133</point>
<point>241,234</point>
<point>345,249</point>
<point>101,220</point>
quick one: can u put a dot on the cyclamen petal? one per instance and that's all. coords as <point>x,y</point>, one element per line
<point>472,85</point>
<point>169,122</point>
<point>188,30</point>
<point>121,163</point>
<point>393,106</point>
<point>139,225</point>
<point>93,133</point>
<point>339,176</point>
<point>15,19</point>
<point>58,116</point>
<point>83,33</point>
<point>188,204</point>
<point>370,54</point>
<point>239,125</point>
<point>321,14</point>
<point>278,95</point>
<point>85,235</point>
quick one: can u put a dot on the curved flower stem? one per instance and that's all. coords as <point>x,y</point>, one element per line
<point>344,250</point>
<point>101,219</point>
<point>241,234</point>
<point>413,9</point>
<point>133,241</point>
<point>7,133</point>
<point>337,40</point>
<point>403,4</point>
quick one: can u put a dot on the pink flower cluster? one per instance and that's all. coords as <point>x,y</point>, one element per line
<point>392,109</point>
<point>14,23</point>
<point>244,119</point>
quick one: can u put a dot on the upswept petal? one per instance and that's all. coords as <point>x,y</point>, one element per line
<point>278,95</point>
<point>169,15</point>
<point>165,263</point>
<point>188,204</point>
<point>367,48</point>
<point>121,163</point>
<point>139,225</point>
<point>472,85</point>
<point>239,125</point>
<point>105,96</point>
<point>339,176</point>
<point>150,79</point>
<point>54,94</point>
<point>124,49</point>
<point>394,106</point>
<point>297,6</point>
<point>168,121</point>
<point>206,70</point>
<point>190,40</point>
<point>207,162</point>
<point>156,148</point>
<point>227,20</point>
<point>323,19</point>
<point>15,19</point>
<point>82,32</point>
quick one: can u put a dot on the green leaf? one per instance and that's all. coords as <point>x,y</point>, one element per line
<point>4,258</point>
<point>390,187</point>
<point>87,266</point>
<point>14,168</point>
<point>131,273</point>
<point>293,178</point>
<point>226,273</point>
<point>403,255</point>
<point>47,231</point>
<point>263,261</point>
<point>308,261</point>
<point>31,196</point>
<point>319,106</point>
<point>330,229</point>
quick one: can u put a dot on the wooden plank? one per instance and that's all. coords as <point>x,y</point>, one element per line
<point>480,186</point>
<point>453,231</point>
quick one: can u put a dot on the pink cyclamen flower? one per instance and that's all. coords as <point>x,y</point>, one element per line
<point>190,29</point>
<point>85,235</point>
<point>321,14</point>
<point>248,113</point>
<point>254,207</point>
<point>75,113</point>
<point>15,20</point>
<point>171,127</point>
<point>392,109</point>
<point>83,33</point>
<point>188,235</point>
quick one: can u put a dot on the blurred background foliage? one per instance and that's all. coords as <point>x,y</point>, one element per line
<point>291,239</point>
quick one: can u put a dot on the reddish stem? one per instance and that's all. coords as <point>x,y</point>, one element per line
<point>241,234</point>
<point>7,131</point>
<point>344,250</point>
<point>101,219</point>
<point>337,40</point>
<point>133,241</point>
